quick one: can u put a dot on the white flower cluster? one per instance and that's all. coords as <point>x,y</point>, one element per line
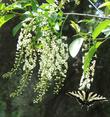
<point>25,57</point>
<point>39,40</point>
<point>87,78</point>
<point>53,65</point>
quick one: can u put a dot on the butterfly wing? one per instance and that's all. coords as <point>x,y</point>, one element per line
<point>87,99</point>
<point>94,97</point>
<point>79,95</point>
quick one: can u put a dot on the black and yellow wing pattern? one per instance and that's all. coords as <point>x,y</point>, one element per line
<point>87,98</point>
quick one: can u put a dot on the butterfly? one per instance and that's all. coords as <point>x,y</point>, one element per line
<point>87,98</point>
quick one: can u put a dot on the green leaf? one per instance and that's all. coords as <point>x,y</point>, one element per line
<point>13,6</point>
<point>105,4</point>
<point>87,21</point>
<point>106,32</point>
<point>62,3</point>
<point>100,28</point>
<point>27,5</point>
<point>75,46</point>
<point>88,57</point>
<point>5,18</point>
<point>50,1</point>
<point>2,6</point>
<point>77,2</point>
<point>34,5</point>
<point>95,0</point>
<point>16,28</point>
<point>75,26</point>
<point>44,6</point>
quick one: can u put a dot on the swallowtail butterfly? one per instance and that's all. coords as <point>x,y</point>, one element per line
<point>87,98</point>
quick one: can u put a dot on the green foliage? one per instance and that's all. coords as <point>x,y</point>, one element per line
<point>2,6</point>
<point>91,43</point>
<point>40,45</point>
<point>89,56</point>
<point>34,5</point>
<point>105,4</point>
<point>5,18</point>
<point>77,2</point>
<point>75,26</point>
<point>16,28</point>
<point>50,1</point>
<point>62,3</point>
<point>100,28</point>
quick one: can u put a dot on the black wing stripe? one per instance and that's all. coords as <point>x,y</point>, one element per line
<point>78,94</point>
<point>86,98</point>
<point>95,97</point>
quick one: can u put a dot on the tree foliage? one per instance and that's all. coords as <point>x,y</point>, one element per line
<point>42,45</point>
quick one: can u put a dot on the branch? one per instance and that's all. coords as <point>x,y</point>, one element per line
<point>94,5</point>
<point>87,15</point>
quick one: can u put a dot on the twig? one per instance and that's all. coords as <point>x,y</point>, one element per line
<point>99,11</point>
<point>87,15</point>
<point>94,5</point>
<point>63,25</point>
